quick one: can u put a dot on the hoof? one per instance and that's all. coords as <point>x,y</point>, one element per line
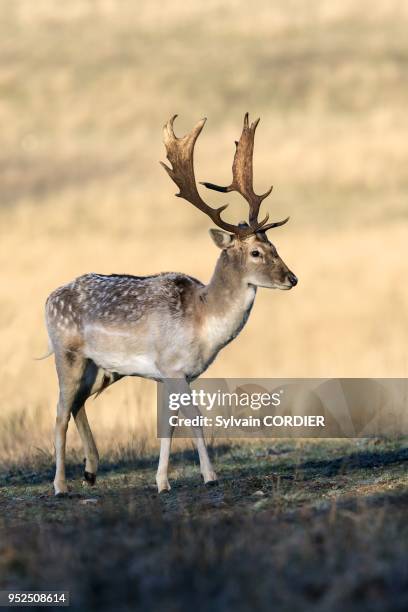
<point>211,484</point>
<point>62,494</point>
<point>89,478</point>
<point>60,490</point>
<point>68,495</point>
<point>164,492</point>
<point>163,485</point>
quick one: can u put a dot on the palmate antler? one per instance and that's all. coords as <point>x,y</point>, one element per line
<point>180,153</point>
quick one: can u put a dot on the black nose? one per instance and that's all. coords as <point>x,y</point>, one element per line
<point>293,279</point>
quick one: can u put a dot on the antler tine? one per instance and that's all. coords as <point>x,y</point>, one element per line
<point>180,153</point>
<point>242,177</point>
<point>269,226</point>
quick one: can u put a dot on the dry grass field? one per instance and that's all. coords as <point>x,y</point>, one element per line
<point>85,88</point>
<point>294,527</point>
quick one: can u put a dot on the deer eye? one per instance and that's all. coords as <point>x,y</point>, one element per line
<point>255,253</point>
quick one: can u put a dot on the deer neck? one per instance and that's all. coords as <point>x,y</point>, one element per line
<point>227,302</point>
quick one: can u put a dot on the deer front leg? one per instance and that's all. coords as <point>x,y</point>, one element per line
<point>167,430</point>
<point>181,386</point>
<point>162,470</point>
<point>206,468</point>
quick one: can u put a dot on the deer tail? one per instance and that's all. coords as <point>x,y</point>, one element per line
<point>50,352</point>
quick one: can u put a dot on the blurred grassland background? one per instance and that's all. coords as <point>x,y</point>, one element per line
<point>85,88</point>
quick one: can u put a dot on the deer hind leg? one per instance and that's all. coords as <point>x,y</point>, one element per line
<point>88,442</point>
<point>76,377</point>
<point>61,426</point>
<point>94,380</point>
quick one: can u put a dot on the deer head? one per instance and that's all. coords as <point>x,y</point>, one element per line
<point>245,246</point>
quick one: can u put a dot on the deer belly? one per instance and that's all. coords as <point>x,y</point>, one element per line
<point>121,352</point>
<point>127,365</point>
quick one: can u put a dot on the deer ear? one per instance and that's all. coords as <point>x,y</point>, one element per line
<point>221,239</point>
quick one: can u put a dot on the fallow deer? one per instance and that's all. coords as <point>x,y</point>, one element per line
<point>166,326</point>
